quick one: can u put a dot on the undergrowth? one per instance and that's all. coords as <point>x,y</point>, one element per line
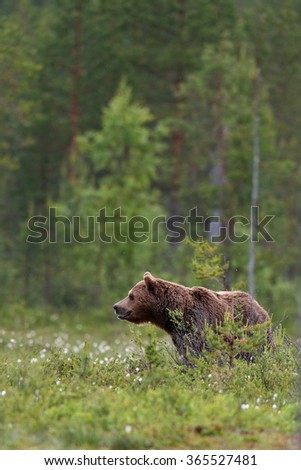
<point>68,391</point>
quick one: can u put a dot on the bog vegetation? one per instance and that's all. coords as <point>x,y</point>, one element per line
<point>67,388</point>
<point>85,383</point>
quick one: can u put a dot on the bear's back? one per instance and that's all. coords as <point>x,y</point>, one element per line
<point>240,302</point>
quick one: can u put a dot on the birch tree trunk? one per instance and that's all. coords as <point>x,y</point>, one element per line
<point>217,156</point>
<point>255,185</point>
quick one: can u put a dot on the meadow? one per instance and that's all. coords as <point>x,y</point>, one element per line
<point>82,383</point>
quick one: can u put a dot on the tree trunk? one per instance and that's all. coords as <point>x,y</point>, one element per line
<point>218,167</point>
<point>255,185</point>
<point>178,135</point>
<point>75,100</point>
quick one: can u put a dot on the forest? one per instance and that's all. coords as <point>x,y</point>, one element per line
<point>167,120</point>
<point>142,136</point>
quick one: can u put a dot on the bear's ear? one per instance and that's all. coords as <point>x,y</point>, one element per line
<point>150,281</point>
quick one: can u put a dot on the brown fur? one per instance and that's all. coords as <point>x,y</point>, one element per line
<point>152,300</point>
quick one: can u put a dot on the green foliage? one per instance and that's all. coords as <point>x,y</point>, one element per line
<point>128,144</point>
<point>150,353</point>
<point>71,390</point>
<point>137,65</point>
<point>62,62</point>
<point>208,264</point>
<point>125,152</point>
<point>233,339</point>
<point>223,343</point>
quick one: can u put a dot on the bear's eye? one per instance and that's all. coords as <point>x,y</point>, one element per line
<point>131,296</point>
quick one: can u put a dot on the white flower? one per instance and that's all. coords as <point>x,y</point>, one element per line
<point>33,360</point>
<point>59,342</point>
<point>244,406</point>
<point>128,428</point>
<point>3,393</point>
<point>274,406</point>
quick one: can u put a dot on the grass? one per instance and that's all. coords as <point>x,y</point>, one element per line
<point>66,385</point>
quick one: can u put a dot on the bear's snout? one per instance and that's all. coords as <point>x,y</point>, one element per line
<point>121,312</point>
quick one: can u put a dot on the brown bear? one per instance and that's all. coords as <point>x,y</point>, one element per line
<point>154,300</point>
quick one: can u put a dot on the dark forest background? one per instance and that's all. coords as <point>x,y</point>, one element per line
<point>155,107</point>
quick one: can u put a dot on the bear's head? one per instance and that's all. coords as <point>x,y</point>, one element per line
<point>143,303</point>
